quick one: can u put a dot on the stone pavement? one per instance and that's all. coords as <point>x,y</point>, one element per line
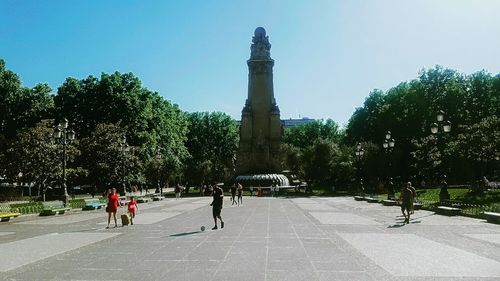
<point>264,239</point>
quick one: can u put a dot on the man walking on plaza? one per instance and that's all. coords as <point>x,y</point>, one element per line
<point>218,195</point>
<point>406,197</point>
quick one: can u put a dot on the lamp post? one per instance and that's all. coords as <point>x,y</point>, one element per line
<point>159,157</point>
<point>65,137</point>
<point>124,149</point>
<point>359,155</point>
<point>438,129</point>
<point>388,146</point>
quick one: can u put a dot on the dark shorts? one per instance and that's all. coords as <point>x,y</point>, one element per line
<point>405,205</point>
<point>216,211</point>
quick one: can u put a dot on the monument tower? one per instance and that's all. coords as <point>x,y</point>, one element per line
<point>260,130</point>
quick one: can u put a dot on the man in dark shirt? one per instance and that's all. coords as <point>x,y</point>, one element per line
<point>218,195</point>
<point>406,197</point>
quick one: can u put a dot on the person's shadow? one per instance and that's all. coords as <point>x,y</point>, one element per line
<point>400,221</point>
<point>184,233</point>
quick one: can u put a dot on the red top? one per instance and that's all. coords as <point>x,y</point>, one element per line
<point>113,201</point>
<point>132,206</point>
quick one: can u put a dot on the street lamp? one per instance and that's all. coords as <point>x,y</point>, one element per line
<point>159,157</point>
<point>65,137</point>
<point>388,146</point>
<point>438,129</point>
<point>124,149</point>
<point>359,155</point>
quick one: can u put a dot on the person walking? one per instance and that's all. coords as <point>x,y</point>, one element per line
<point>233,194</point>
<point>132,209</point>
<point>177,191</point>
<point>406,197</point>
<point>218,199</point>
<point>112,206</point>
<point>414,195</point>
<point>240,194</point>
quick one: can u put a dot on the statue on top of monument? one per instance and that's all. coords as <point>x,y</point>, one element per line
<point>261,47</point>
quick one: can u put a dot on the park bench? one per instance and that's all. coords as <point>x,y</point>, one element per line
<point>359,198</point>
<point>389,202</point>
<point>448,211</point>
<point>53,208</point>
<point>157,198</point>
<point>143,199</point>
<point>492,217</point>
<point>122,200</point>
<point>371,200</point>
<point>92,204</point>
<point>6,212</point>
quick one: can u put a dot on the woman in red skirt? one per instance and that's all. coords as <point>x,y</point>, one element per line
<point>112,205</point>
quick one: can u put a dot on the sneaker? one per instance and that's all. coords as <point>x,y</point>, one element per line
<point>221,224</point>
<point>214,228</point>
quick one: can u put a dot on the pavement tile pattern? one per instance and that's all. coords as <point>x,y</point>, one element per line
<point>264,239</point>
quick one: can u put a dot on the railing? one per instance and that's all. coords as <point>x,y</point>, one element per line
<point>467,209</point>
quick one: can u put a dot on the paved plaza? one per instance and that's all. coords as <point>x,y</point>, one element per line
<point>264,239</point>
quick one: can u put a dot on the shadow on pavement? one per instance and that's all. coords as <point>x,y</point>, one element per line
<point>396,225</point>
<point>184,233</point>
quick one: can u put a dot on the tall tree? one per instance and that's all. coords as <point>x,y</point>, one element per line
<point>212,142</point>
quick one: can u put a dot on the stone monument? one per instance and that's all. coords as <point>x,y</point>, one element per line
<point>258,156</point>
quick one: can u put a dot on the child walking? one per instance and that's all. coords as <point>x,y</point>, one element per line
<point>132,209</point>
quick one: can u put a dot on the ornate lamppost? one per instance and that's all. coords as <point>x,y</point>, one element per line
<point>388,146</point>
<point>159,187</point>
<point>438,129</point>
<point>359,155</point>
<point>124,149</point>
<point>65,137</point>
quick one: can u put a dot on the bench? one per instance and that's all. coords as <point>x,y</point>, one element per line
<point>158,198</point>
<point>492,217</point>
<point>371,200</point>
<point>92,204</point>
<point>122,200</point>
<point>417,206</point>
<point>51,208</point>
<point>359,198</point>
<point>389,202</point>
<point>143,199</point>
<point>448,211</point>
<point>6,213</point>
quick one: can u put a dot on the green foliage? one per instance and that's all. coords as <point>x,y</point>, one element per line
<point>314,152</point>
<point>212,142</point>
<point>33,157</point>
<point>305,135</point>
<point>21,107</point>
<point>409,109</point>
<point>101,155</point>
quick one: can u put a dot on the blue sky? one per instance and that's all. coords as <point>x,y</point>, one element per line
<point>328,54</point>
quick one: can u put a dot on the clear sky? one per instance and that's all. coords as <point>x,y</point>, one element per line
<point>328,54</point>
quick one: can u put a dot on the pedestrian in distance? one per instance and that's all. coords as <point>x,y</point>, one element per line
<point>414,194</point>
<point>240,194</point>
<point>177,191</point>
<point>406,197</point>
<point>251,190</point>
<point>218,199</point>
<point>233,194</point>
<point>112,206</point>
<point>132,209</point>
